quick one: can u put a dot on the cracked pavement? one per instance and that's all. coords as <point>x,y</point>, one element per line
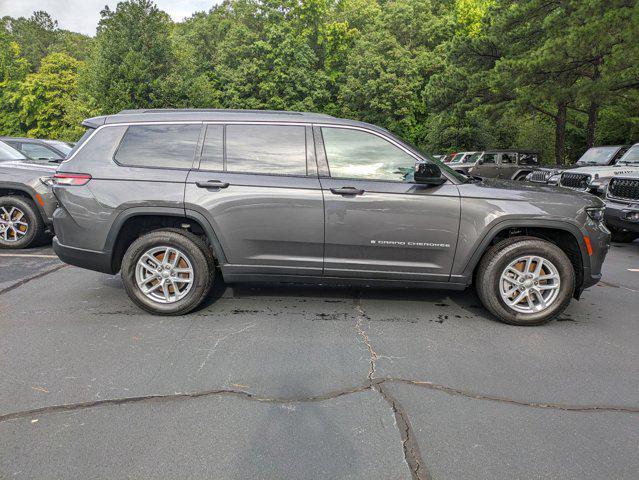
<point>312,382</point>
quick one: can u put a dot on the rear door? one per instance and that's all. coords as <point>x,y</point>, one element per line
<point>379,223</point>
<point>257,185</point>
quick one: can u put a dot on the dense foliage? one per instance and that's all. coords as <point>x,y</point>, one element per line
<point>553,75</point>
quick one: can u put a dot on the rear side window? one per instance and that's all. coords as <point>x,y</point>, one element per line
<point>213,148</point>
<point>160,146</point>
<point>266,149</point>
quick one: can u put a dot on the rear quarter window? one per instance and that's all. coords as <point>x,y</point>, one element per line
<point>159,146</point>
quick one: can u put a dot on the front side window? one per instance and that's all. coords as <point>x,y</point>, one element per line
<point>490,158</point>
<point>160,146</point>
<point>362,155</point>
<point>266,149</point>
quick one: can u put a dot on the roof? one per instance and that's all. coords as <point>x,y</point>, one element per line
<point>24,139</point>
<point>209,115</point>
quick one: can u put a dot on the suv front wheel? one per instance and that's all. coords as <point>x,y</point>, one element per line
<point>168,272</point>
<point>20,223</point>
<point>525,281</point>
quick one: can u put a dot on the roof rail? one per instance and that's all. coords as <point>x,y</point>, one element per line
<point>215,110</point>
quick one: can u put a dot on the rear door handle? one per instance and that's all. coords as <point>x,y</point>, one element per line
<point>212,184</point>
<point>347,191</point>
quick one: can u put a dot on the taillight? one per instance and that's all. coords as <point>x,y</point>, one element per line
<point>76,179</point>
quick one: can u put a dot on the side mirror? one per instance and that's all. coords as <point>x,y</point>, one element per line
<point>428,174</point>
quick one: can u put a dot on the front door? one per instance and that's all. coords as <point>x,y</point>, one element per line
<point>507,165</point>
<point>379,223</point>
<point>489,167</point>
<point>260,192</point>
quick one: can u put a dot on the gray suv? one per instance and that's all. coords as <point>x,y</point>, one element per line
<point>26,200</point>
<point>167,197</point>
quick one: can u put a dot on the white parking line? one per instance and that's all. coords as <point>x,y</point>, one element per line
<point>34,255</point>
<point>633,269</point>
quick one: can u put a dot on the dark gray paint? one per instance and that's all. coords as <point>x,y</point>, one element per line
<point>289,227</point>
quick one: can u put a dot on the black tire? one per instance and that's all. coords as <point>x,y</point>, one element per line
<point>621,236</point>
<point>198,254</point>
<point>34,228</point>
<point>497,258</point>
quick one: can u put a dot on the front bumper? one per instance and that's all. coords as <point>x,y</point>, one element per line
<point>622,216</point>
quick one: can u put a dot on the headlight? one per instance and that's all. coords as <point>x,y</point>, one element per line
<point>595,213</point>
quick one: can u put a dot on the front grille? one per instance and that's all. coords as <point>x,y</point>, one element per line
<point>625,188</point>
<point>541,176</point>
<point>576,181</point>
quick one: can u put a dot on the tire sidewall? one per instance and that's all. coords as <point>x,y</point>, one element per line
<point>547,251</point>
<point>202,275</point>
<point>32,219</point>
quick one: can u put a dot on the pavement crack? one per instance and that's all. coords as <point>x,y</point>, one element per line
<point>513,401</point>
<point>33,277</point>
<point>71,407</point>
<point>409,443</point>
<point>361,316</point>
<point>220,339</point>
<point>375,384</point>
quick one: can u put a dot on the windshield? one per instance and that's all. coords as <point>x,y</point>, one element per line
<point>631,156</point>
<point>472,158</point>
<point>597,156</point>
<point>10,153</point>
<point>63,147</point>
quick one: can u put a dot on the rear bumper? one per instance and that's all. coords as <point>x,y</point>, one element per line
<point>89,259</point>
<point>622,216</point>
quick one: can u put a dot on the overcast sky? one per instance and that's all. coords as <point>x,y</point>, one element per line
<point>83,15</point>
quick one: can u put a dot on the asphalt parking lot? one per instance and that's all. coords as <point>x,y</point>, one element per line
<point>311,382</point>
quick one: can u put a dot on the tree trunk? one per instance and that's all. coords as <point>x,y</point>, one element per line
<point>560,132</point>
<point>593,112</point>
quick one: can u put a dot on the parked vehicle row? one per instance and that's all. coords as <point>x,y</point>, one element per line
<point>507,164</point>
<point>169,197</point>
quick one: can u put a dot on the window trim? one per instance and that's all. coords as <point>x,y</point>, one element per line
<point>383,137</point>
<point>136,124</point>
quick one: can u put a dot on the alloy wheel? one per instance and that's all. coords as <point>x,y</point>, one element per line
<point>529,284</point>
<point>13,224</point>
<point>164,274</point>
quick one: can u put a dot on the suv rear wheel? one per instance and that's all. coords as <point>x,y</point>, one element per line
<point>168,272</point>
<point>20,223</point>
<point>525,281</point>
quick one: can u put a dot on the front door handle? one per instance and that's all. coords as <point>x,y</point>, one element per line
<point>212,184</point>
<point>347,191</point>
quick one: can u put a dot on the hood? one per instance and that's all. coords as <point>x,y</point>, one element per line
<point>607,171</point>
<point>497,189</point>
<point>32,166</point>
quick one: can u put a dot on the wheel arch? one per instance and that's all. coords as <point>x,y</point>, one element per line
<point>565,235</point>
<point>133,222</point>
<point>18,189</point>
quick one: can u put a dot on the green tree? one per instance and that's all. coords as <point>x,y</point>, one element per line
<point>47,99</point>
<point>35,35</point>
<point>13,70</point>
<point>132,57</point>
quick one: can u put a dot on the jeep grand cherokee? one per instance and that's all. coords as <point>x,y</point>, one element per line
<point>166,197</point>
